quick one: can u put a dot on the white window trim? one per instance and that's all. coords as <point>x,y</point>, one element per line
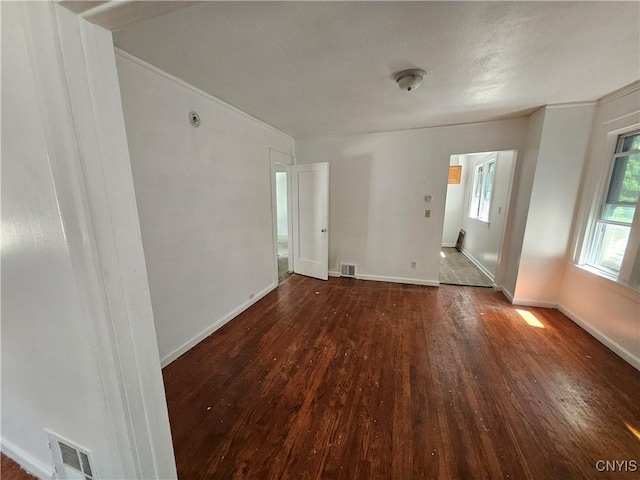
<point>484,163</point>
<point>584,245</point>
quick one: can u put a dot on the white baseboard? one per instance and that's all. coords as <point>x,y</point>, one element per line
<point>411,281</point>
<point>526,302</point>
<point>505,292</point>
<point>189,344</point>
<point>27,461</point>
<point>448,244</point>
<point>478,264</point>
<point>379,278</point>
<point>612,345</point>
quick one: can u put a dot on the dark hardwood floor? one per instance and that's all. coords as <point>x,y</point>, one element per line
<point>10,470</point>
<point>349,379</point>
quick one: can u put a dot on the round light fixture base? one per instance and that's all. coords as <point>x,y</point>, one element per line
<point>410,79</point>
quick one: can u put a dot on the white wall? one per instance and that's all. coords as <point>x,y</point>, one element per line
<point>606,309</point>
<point>561,155</point>
<point>454,204</point>
<point>72,265</point>
<point>204,200</point>
<point>519,209</point>
<point>483,240</point>
<point>376,189</point>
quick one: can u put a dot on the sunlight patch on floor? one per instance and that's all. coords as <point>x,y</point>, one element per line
<point>530,318</point>
<point>633,430</point>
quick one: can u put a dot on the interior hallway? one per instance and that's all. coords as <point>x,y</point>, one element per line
<point>457,269</point>
<point>362,380</point>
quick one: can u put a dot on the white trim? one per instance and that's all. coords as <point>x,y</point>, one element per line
<point>526,302</point>
<point>410,281</point>
<point>448,245</point>
<point>621,118</point>
<point>477,263</point>
<point>102,8</point>
<point>571,105</point>
<point>504,291</point>
<point>626,90</point>
<point>188,86</point>
<point>602,338</point>
<point>381,278</point>
<point>193,341</point>
<point>274,211</point>
<point>77,91</point>
<point>26,461</point>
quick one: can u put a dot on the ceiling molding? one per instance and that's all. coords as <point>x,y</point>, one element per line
<point>632,87</point>
<point>116,14</point>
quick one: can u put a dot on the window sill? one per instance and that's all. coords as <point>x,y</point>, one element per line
<point>607,281</point>
<point>484,223</point>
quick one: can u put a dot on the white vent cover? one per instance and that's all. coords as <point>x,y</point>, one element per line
<point>348,270</point>
<point>70,461</point>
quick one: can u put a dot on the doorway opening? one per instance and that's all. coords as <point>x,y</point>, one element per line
<point>477,203</point>
<point>283,236</point>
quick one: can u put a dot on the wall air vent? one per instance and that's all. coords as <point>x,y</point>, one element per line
<point>348,270</point>
<point>70,461</point>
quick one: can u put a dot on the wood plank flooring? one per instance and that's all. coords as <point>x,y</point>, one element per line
<point>10,470</point>
<point>349,379</point>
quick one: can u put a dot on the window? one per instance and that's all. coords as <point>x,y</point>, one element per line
<point>482,188</point>
<point>610,248</point>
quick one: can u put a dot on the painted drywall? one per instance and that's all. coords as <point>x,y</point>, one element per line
<point>63,360</point>
<point>608,312</point>
<point>606,309</point>
<point>483,240</point>
<point>522,186</point>
<point>454,205</point>
<point>377,186</point>
<point>561,156</point>
<point>204,201</point>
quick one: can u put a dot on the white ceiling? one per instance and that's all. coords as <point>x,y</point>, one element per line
<point>324,68</point>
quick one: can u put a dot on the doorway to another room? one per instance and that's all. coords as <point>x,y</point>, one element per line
<point>477,202</point>
<point>283,237</point>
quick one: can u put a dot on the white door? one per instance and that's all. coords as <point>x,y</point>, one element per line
<point>310,194</point>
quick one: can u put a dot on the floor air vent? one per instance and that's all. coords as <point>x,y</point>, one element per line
<point>70,461</point>
<point>348,270</point>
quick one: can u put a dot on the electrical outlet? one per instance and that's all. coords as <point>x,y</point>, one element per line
<point>413,264</point>
<point>427,213</point>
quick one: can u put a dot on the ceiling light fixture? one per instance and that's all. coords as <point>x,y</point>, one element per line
<point>410,79</point>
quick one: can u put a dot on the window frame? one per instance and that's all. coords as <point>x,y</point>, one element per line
<point>479,189</point>
<point>588,251</point>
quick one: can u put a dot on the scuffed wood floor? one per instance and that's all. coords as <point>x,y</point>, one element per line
<point>10,470</point>
<point>349,379</point>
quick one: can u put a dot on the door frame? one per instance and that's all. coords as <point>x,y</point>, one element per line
<point>499,274</point>
<point>279,162</point>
